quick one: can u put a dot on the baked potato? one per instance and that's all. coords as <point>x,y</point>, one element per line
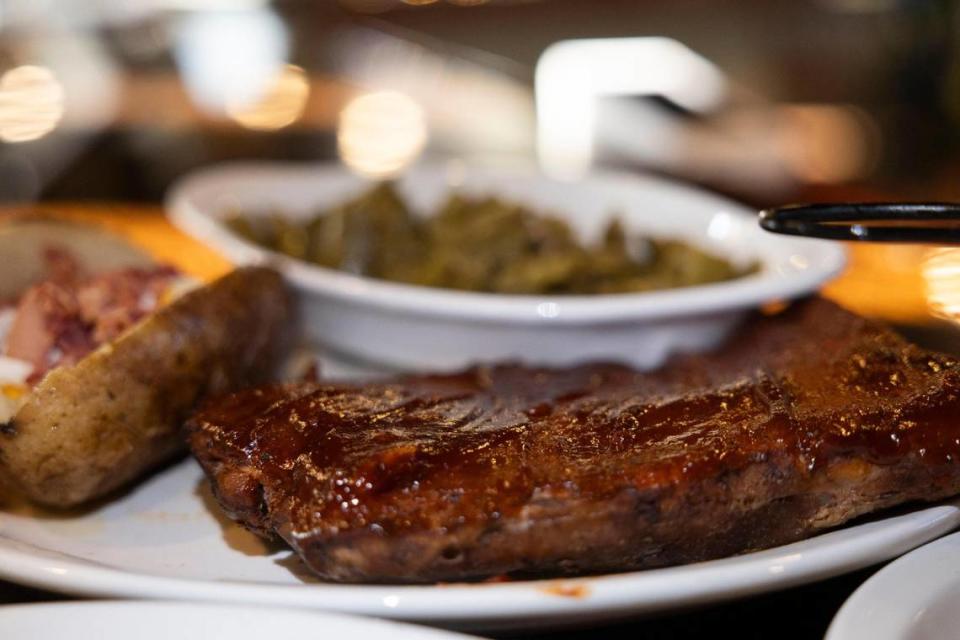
<point>90,426</point>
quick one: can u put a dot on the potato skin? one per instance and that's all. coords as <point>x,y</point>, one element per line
<point>91,428</point>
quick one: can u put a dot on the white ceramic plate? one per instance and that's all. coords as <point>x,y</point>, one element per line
<point>190,621</point>
<point>419,327</point>
<point>914,598</point>
<point>166,539</point>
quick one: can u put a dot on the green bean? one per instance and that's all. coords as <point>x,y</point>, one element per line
<point>482,244</point>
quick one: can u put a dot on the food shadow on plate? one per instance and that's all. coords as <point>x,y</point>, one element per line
<point>13,503</point>
<point>292,563</point>
<point>894,512</point>
<point>334,365</point>
<point>234,534</point>
<point>248,543</point>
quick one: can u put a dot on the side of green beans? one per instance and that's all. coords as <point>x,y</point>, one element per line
<point>481,245</point>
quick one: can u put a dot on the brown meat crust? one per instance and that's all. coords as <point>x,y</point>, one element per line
<point>91,428</point>
<point>804,421</point>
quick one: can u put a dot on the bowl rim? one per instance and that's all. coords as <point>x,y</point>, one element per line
<point>748,291</point>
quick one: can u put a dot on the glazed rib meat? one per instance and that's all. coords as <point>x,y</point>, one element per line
<point>804,420</point>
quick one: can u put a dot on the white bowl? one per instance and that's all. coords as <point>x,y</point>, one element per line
<point>427,328</point>
<point>913,598</point>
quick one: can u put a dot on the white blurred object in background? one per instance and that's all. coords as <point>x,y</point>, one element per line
<point>230,60</point>
<point>572,75</point>
<point>60,92</point>
<point>593,101</point>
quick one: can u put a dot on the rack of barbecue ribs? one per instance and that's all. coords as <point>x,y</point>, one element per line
<point>803,421</point>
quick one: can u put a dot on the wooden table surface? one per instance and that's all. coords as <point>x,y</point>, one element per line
<point>896,283</point>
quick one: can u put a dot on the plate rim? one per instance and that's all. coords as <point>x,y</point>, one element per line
<point>512,604</point>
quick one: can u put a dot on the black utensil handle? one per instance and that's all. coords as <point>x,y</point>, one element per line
<point>927,222</point>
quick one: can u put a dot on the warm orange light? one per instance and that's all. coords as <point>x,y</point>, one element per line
<point>825,143</point>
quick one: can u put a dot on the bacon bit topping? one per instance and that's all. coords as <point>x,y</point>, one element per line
<point>69,314</point>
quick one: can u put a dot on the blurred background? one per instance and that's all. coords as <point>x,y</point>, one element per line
<point>768,101</point>
<point>763,99</point>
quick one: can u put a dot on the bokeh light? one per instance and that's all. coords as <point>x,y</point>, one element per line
<point>381,133</point>
<point>824,143</point>
<point>941,277</point>
<point>280,105</point>
<point>31,103</point>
